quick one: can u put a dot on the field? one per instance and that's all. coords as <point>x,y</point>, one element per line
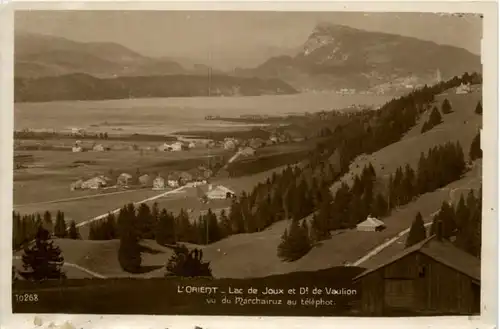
<point>54,171</point>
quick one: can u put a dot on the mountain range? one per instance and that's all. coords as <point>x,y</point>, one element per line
<point>337,56</point>
<point>333,57</point>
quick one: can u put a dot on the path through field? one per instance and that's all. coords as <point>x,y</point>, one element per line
<point>92,273</point>
<point>177,190</point>
<point>75,198</point>
<point>428,222</point>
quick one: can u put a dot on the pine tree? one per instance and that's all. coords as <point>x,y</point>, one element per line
<point>379,206</point>
<point>446,216</point>
<point>320,224</point>
<point>73,231</point>
<point>417,231</point>
<point>435,117</point>
<point>183,227</point>
<point>93,234</point>
<point>109,227</point>
<point>129,253</point>
<point>146,222</point>
<point>446,106</point>
<point>47,222</point>
<point>408,184</point>
<point>185,263</point>
<point>43,260</point>
<point>425,127</point>
<point>60,227</point>
<point>475,151</point>
<point>225,224</point>
<point>479,108</point>
<point>165,231</point>
<point>213,227</point>
<point>295,242</point>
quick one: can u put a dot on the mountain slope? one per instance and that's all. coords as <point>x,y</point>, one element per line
<point>39,55</point>
<point>336,56</point>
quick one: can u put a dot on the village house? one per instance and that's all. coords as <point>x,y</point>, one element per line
<point>98,148</point>
<point>175,147</point>
<point>229,144</point>
<point>371,224</point>
<point>124,179</point>
<point>219,192</point>
<point>173,180</point>
<point>247,151</point>
<point>158,183</point>
<point>185,177</point>
<point>77,147</point>
<point>431,277</point>
<point>164,147</point>
<point>76,185</point>
<point>94,183</point>
<point>255,143</point>
<point>77,132</point>
<point>144,180</point>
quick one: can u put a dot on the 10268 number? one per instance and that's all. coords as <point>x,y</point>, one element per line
<point>23,298</point>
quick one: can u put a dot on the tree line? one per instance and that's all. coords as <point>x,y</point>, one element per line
<point>459,224</point>
<point>25,227</point>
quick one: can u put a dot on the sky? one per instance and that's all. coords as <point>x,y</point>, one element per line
<point>237,39</point>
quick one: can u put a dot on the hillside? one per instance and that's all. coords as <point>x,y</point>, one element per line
<point>461,125</point>
<point>80,86</point>
<point>337,57</point>
<point>39,55</point>
<point>48,68</point>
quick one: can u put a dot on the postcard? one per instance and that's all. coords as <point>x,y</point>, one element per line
<point>251,163</point>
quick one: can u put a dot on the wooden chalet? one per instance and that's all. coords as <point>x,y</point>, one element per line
<point>433,277</point>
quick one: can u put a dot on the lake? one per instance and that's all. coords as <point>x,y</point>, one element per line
<point>167,115</point>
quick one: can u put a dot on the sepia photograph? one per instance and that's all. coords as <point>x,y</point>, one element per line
<point>240,163</point>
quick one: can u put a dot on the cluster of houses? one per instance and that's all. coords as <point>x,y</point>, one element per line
<point>157,182</point>
<point>176,146</point>
<point>77,147</point>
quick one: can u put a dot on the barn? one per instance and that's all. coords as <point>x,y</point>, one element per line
<point>371,224</point>
<point>219,192</point>
<point>433,277</point>
<point>124,179</point>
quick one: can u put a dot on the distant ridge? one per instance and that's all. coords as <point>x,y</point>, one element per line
<point>336,56</point>
<point>79,86</point>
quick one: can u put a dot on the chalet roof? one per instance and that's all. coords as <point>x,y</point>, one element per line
<point>220,188</point>
<point>371,221</point>
<point>451,256</point>
<point>443,252</point>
